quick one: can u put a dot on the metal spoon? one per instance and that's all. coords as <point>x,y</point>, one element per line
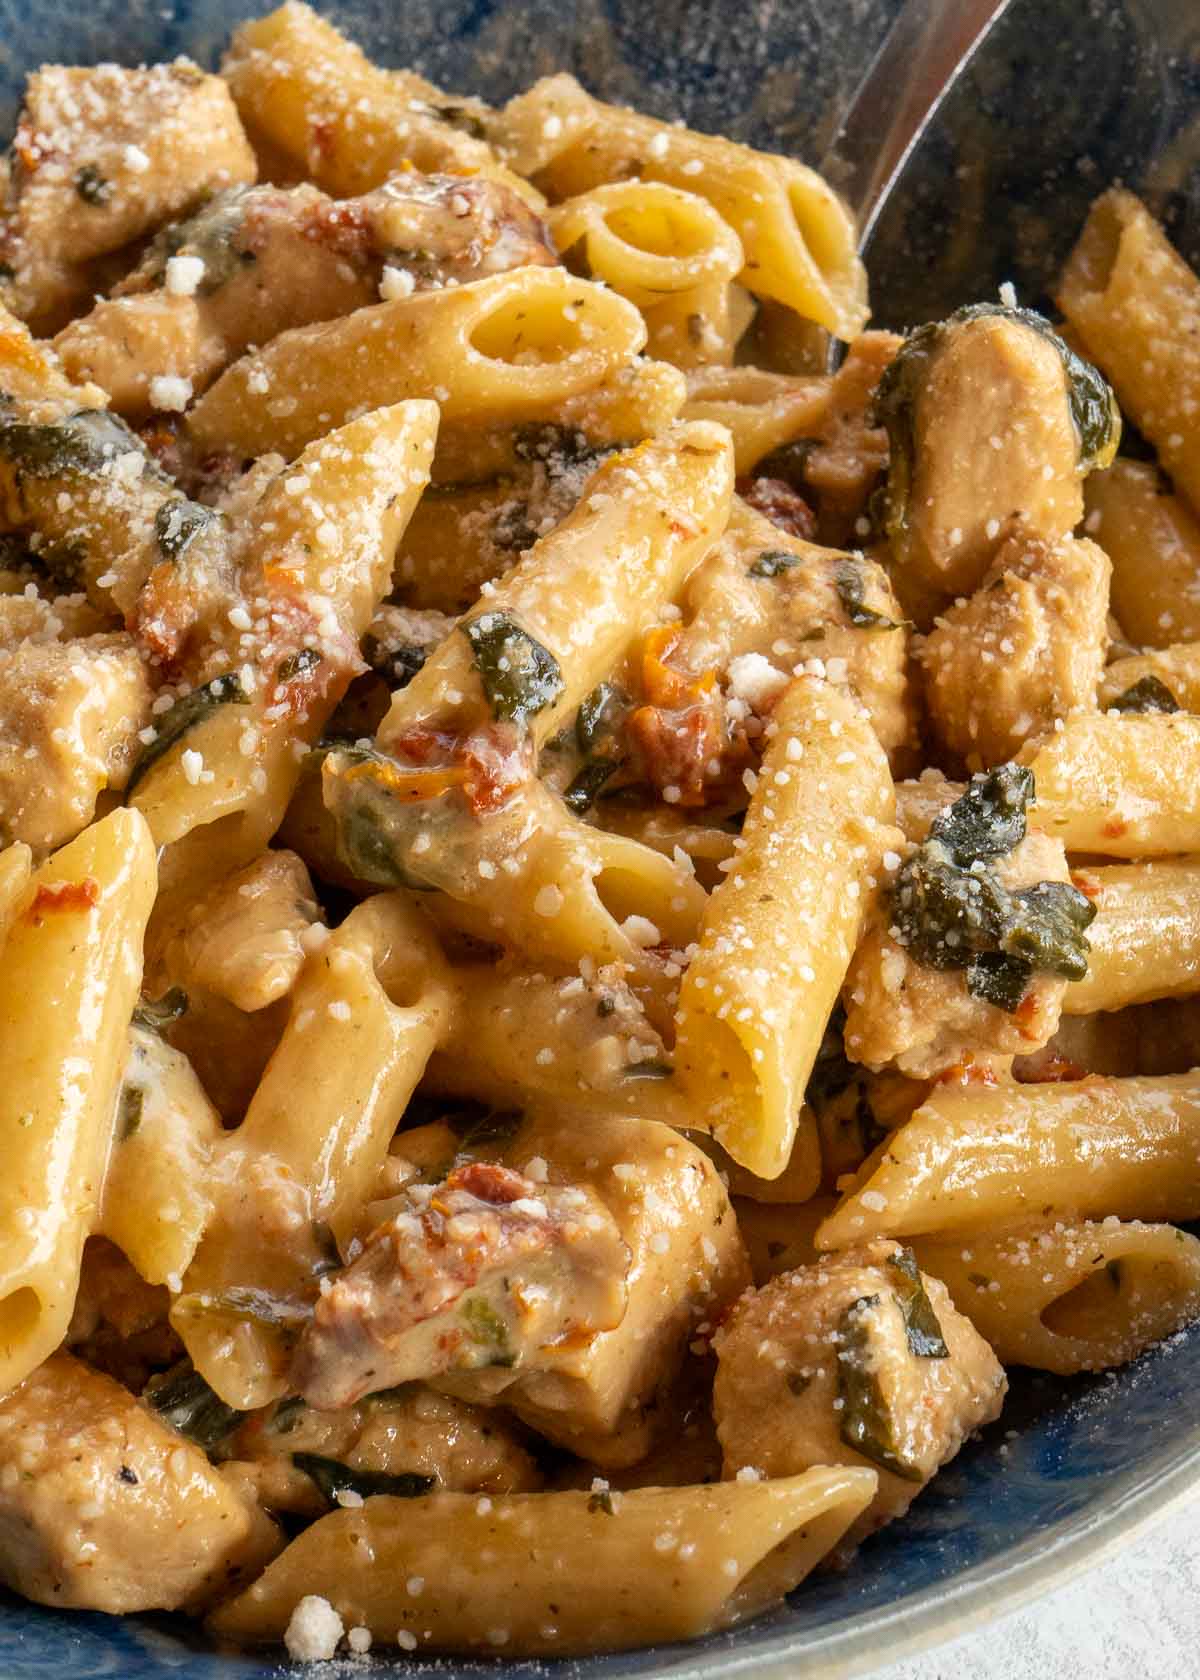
<point>982,133</point>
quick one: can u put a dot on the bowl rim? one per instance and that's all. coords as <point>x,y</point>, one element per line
<point>945,1611</point>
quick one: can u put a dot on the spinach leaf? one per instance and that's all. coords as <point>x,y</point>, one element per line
<point>866,1421</point>
<point>332,1477</point>
<point>598,717</point>
<point>163,1012</point>
<point>1148,694</point>
<point>850,581</point>
<point>520,677</point>
<point>1000,981</point>
<point>921,1325</point>
<point>559,446</point>
<point>952,912</point>
<point>832,1071</point>
<point>586,785</point>
<point>364,810</point>
<point>182,1398</point>
<point>771,562</point>
<point>184,715</point>
<point>178,522</point>
<point>129,1117</point>
<point>286,1416</point>
<point>82,443</point>
<point>988,820</point>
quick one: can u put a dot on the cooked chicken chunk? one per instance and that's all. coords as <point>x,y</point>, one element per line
<point>102,1507</point>
<point>71,714</point>
<point>924,1020</point>
<point>257,261</point>
<point>564,1276</point>
<point>244,939</point>
<point>401,1431</point>
<point>857,1359</point>
<point>982,419</point>
<point>101,156</point>
<point>1028,647</point>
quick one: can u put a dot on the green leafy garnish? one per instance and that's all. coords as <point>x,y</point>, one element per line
<point>182,1398</point>
<point>987,820</point>
<point>1092,405</point>
<point>178,523</point>
<point>921,1325</point>
<point>1148,694</point>
<point>333,1477</point>
<point>254,1306</point>
<point>598,716</point>
<point>771,562</point>
<point>520,677</point>
<point>850,581</point>
<point>129,1117</point>
<point>488,1329</point>
<point>587,784</point>
<point>184,715</point>
<point>91,186</point>
<point>866,1422</point>
<point>952,912</point>
<point>210,234</point>
<point>83,443</point>
<point>163,1012</point>
<point>559,446</point>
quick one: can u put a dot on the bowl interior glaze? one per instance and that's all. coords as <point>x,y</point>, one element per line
<point>1072,1467</point>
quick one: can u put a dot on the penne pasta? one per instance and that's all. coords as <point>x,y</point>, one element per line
<point>550,1574</point>
<point>1119,786</point>
<point>78,938</point>
<point>367,1011</point>
<point>749,1030</point>
<point>508,348</point>
<point>1068,1297</point>
<point>797,235</point>
<point>978,1156</point>
<point>1135,304</point>
<point>1145,941</point>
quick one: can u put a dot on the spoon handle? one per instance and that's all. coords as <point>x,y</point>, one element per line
<point>924,51</point>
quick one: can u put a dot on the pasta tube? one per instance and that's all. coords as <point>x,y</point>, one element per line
<point>318,549</point>
<point>1153,541</point>
<point>779,933</point>
<point>1069,1297</point>
<point>1145,941</point>
<point>1120,786</point>
<point>976,1156</point>
<point>157,1196</point>
<point>1135,304</point>
<point>510,347</point>
<point>366,1013</point>
<point>78,940</point>
<point>556,1573</point>
<point>347,123</point>
<point>797,235</point>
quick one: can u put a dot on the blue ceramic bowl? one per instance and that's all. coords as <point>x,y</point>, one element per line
<point>1072,1469</point>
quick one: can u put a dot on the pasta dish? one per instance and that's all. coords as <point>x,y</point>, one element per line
<point>599,926</point>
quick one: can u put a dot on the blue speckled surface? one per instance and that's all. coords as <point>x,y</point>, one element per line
<point>1084,1458</point>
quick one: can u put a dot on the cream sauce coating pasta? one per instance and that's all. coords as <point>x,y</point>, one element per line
<point>598,925</point>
